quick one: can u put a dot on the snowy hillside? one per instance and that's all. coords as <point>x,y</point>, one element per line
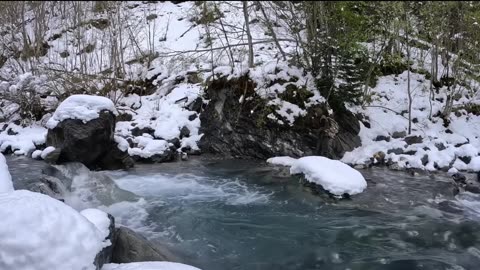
<point>155,59</point>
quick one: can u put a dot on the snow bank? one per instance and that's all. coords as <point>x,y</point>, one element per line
<point>441,148</point>
<point>39,232</point>
<point>6,184</point>
<point>83,107</point>
<point>334,176</point>
<point>149,266</point>
<point>99,219</point>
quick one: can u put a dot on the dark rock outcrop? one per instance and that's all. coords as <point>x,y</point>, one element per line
<point>244,130</point>
<point>413,140</point>
<point>90,143</point>
<point>382,138</point>
<point>132,247</point>
<point>396,151</point>
<point>399,134</point>
<point>139,131</point>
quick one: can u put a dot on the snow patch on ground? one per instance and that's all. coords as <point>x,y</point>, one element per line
<point>82,107</point>
<point>440,148</point>
<point>23,140</point>
<point>147,147</point>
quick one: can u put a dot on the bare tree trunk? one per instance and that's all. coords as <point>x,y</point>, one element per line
<point>408,75</point>
<point>432,78</point>
<point>270,28</point>
<point>249,34</point>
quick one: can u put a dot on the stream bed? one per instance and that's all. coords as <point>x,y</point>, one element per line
<point>247,215</point>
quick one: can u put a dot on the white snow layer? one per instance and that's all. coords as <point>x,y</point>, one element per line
<point>40,232</point>
<point>441,147</point>
<point>47,151</point>
<point>37,154</point>
<point>283,161</point>
<point>99,219</point>
<point>6,184</point>
<point>23,143</point>
<point>334,176</point>
<point>149,266</point>
<point>82,107</point>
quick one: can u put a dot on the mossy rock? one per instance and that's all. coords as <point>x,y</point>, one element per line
<point>296,95</point>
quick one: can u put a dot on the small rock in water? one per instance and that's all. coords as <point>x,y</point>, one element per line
<point>184,156</point>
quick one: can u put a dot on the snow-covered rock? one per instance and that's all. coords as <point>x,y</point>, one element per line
<point>46,152</point>
<point>37,154</point>
<point>334,176</point>
<point>6,184</point>
<point>149,266</point>
<point>22,140</point>
<point>39,232</point>
<point>82,107</point>
<point>283,161</point>
<point>90,141</point>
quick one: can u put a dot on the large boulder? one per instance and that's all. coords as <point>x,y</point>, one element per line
<point>132,247</point>
<point>246,129</point>
<point>88,137</point>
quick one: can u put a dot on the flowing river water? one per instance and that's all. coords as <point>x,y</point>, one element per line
<point>247,215</point>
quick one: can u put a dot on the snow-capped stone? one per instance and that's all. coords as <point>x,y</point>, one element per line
<point>334,176</point>
<point>82,107</point>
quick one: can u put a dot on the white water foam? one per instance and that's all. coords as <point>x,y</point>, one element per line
<point>470,202</point>
<point>193,188</point>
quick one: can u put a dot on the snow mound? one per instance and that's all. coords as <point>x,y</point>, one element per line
<point>83,107</point>
<point>99,219</point>
<point>43,233</point>
<point>37,154</point>
<point>6,184</point>
<point>334,176</point>
<point>283,161</point>
<point>149,266</point>
<point>47,151</point>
